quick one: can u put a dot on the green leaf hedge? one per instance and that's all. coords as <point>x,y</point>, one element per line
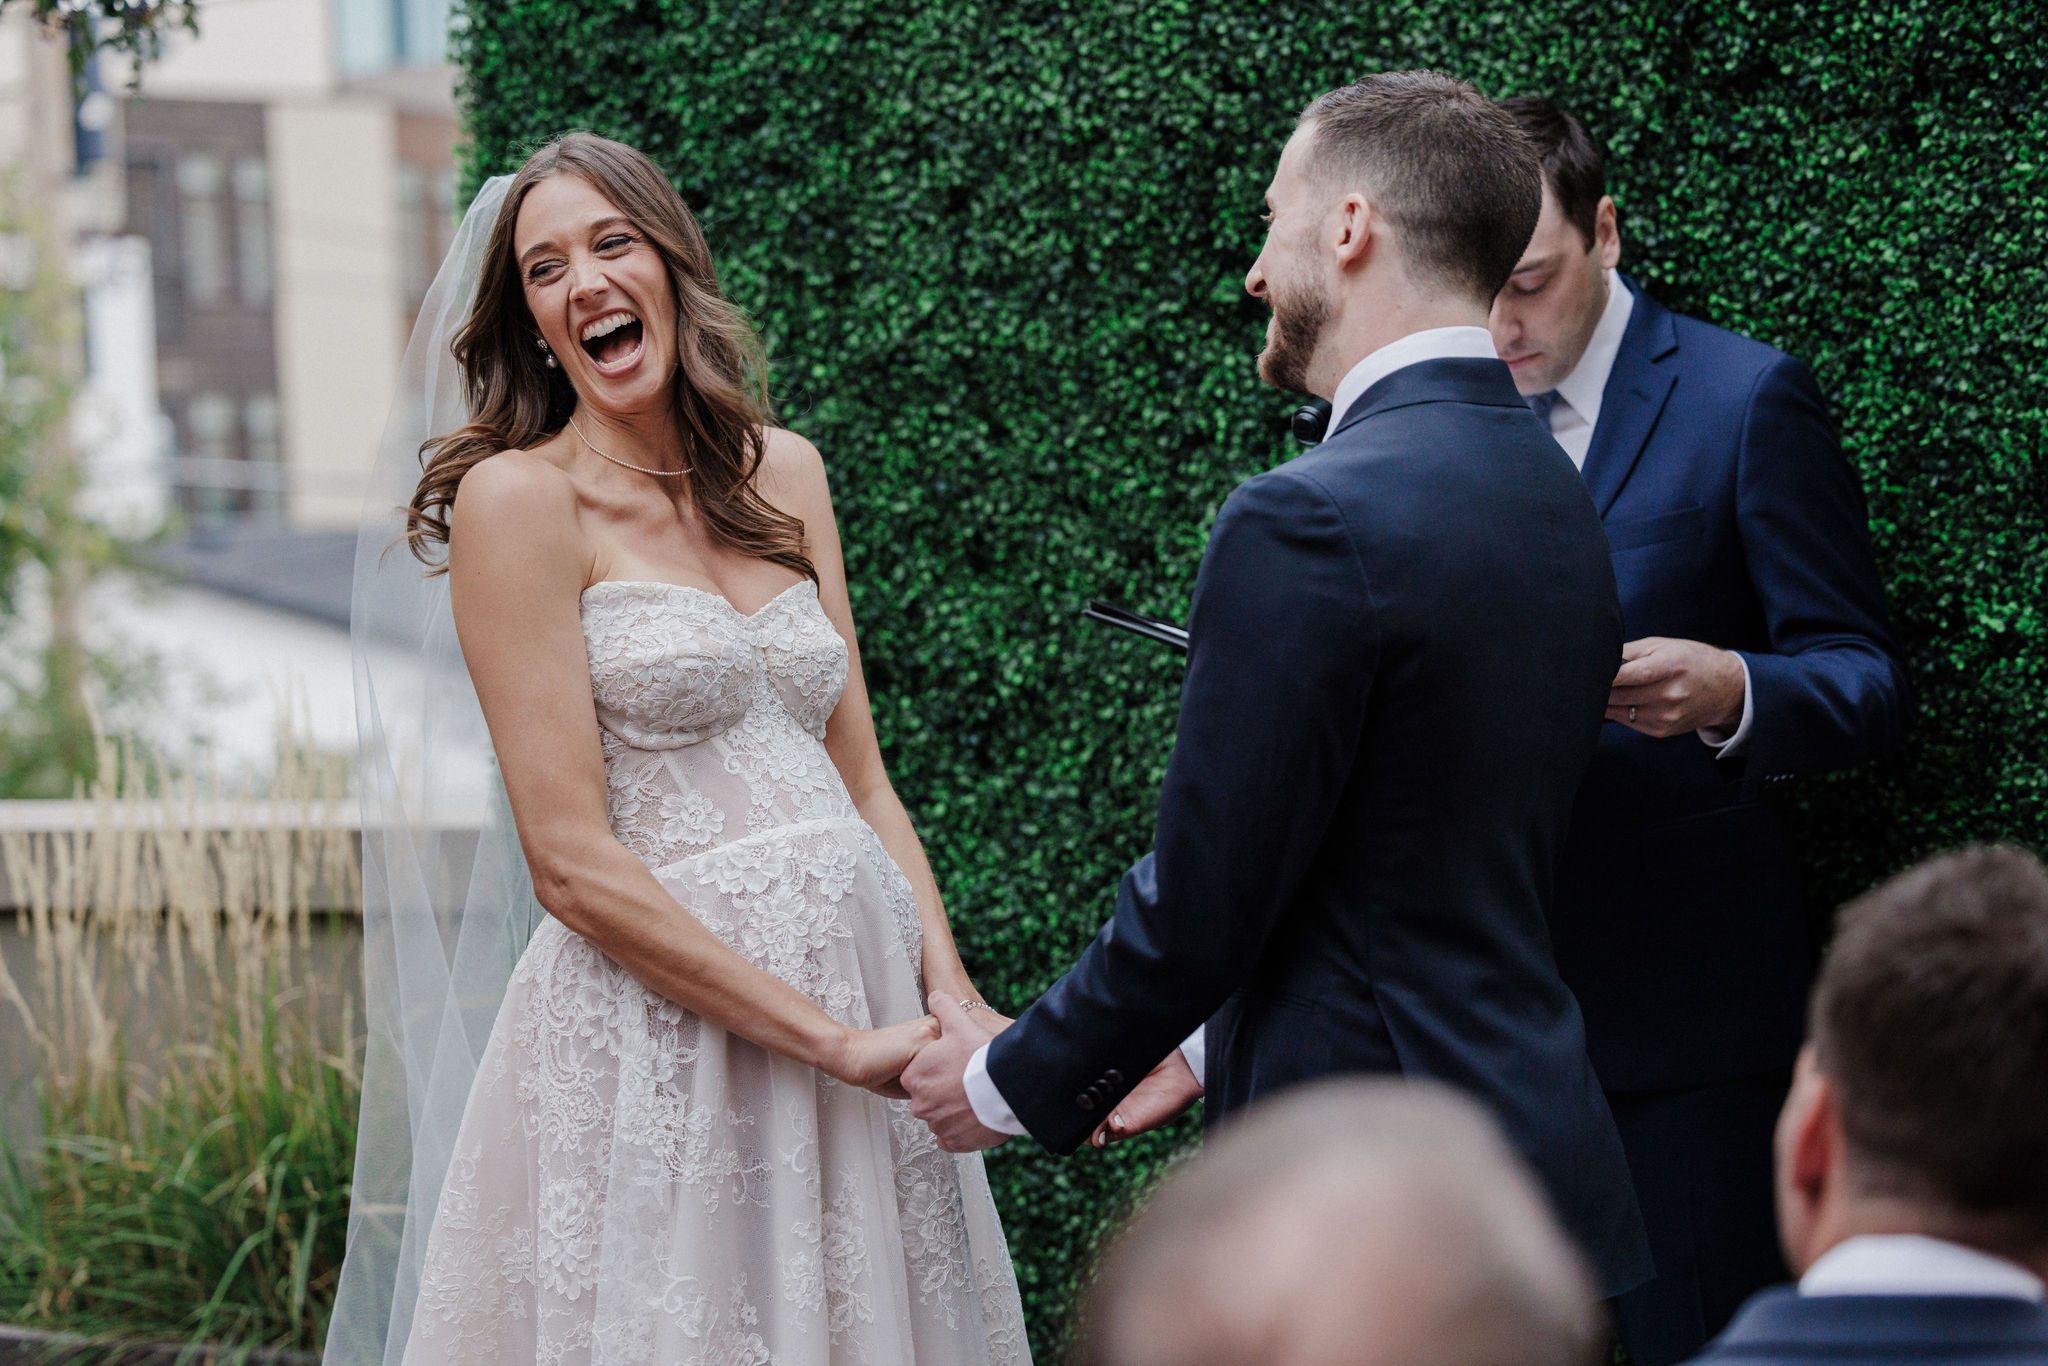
<point>997,250</point>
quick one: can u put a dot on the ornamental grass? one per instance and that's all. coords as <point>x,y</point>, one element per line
<point>196,1081</point>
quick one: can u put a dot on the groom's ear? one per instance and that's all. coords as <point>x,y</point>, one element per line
<point>1356,227</point>
<point>1606,233</point>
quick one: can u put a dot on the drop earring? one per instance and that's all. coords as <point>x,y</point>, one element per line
<point>542,343</point>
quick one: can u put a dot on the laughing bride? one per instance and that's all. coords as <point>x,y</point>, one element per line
<point>684,1140</point>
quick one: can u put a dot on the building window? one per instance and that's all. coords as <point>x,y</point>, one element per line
<point>252,231</point>
<point>262,435</point>
<point>201,233</point>
<point>153,212</point>
<point>426,225</point>
<point>261,425</point>
<point>379,35</point>
<point>210,471</point>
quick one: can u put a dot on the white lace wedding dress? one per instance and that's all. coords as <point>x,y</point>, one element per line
<point>634,1185</point>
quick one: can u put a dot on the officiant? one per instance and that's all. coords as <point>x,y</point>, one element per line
<point>1758,649</point>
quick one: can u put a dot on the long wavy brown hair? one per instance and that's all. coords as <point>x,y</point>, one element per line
<point>719,393</point>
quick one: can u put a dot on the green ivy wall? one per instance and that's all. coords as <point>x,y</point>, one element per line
<point>997,251</point>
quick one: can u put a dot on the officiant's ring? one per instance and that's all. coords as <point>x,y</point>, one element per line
<point>1631,716</point>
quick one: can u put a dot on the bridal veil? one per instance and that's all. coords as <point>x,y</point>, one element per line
<point>447,903</point>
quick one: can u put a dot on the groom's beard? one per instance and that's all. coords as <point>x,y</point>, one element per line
<point>1299,315</point>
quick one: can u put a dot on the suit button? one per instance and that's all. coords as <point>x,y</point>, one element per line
<point>1087,1101</point>
<point>1113,1077</point>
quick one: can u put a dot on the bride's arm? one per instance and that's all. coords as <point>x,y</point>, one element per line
<point>795,482</point>
<point>517,567</point>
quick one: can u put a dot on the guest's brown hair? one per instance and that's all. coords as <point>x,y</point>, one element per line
<point>1573,165</point>
<point>1931,1021</point>
<point>719,392</point>
<point>1445,165</point>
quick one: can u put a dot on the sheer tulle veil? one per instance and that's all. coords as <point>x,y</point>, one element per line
<point>447,904</point>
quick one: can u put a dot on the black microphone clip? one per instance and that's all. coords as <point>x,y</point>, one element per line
<point>1312,422</point>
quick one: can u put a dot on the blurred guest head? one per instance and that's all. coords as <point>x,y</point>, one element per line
<point>1395,195</point>
<point>597,295</point>
<point>1920,1104</point>
<point>1352,1223</point>
<point>1544,317</point>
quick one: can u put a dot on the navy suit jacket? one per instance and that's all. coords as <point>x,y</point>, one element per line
<point>1782,1328</point>
<point>1733,519</point>
<point>1401,644</point>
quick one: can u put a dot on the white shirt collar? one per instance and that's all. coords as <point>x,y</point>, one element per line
<point>1583,387</point>
<point>1432,343</point>
<point>1910,1264</point>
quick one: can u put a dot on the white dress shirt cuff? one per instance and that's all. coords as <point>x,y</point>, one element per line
<point>989,1106</point>
<point>1727,746</point>
<point>1195,1049</point>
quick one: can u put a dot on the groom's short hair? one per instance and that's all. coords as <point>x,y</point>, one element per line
<point>1574,166</point>
<point>1930,1021</point>
<point>1452,172</point>
<point>1352,1222</point>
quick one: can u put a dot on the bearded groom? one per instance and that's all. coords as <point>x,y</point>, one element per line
<point>1400,650</point>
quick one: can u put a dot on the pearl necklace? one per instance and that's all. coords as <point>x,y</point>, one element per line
<point>665,474</point>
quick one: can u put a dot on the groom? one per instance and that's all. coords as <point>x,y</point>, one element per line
<point>1401,646</point>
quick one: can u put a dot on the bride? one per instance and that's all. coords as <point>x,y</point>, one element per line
<point>681,1137</point>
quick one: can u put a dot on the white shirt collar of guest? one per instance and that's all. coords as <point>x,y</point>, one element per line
<point>1587,382</point>
<point>1910,1264</point>
<point>1432,343</point>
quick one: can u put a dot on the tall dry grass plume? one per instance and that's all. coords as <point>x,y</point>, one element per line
<point>201,895</point>
<point>189,1011</point>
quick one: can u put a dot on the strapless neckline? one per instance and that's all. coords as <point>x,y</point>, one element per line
<point>663,585</point>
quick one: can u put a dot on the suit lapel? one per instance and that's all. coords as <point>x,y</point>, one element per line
<point>1634,398</point>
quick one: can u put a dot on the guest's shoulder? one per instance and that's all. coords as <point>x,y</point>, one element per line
<point>1727,346</point>
<point>1726,358</point>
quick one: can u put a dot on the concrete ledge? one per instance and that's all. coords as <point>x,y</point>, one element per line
<point>87,818</point>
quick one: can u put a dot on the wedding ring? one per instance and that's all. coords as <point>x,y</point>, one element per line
<point>1631,716</point>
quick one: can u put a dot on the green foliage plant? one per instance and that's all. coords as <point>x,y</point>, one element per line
<point>49,551</point>
<point>997,250</point>
<point>197,1082</point>
<point>136,28</point>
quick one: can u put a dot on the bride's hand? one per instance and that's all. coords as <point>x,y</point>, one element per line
<point>874,1059</point>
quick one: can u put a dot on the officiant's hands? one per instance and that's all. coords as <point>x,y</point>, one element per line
<point>874,1059</point>
<point>1674,687</point>
<point>1167,1091</point>
<point>937,1077</point>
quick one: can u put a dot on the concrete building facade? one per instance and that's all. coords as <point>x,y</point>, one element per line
<point>293,169</point>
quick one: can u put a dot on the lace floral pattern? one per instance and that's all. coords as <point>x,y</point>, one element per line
<point>633,1185</point>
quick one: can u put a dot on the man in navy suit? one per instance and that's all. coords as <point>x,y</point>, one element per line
<point>1758,648</point>
<point>1400,648</point>
<point>1912,1156</point>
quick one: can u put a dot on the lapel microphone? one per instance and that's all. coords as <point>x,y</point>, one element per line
<point>1312,422</point>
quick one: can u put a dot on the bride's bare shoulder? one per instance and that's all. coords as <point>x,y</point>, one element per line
<point>516,498</point>
<point>792,474</point>
<point>786,451</point>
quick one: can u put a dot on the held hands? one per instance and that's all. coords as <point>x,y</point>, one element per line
<point>1674,687</point>
<point>1166,1091</point>
<point>937,1077</point>
<point>874,1059</point>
